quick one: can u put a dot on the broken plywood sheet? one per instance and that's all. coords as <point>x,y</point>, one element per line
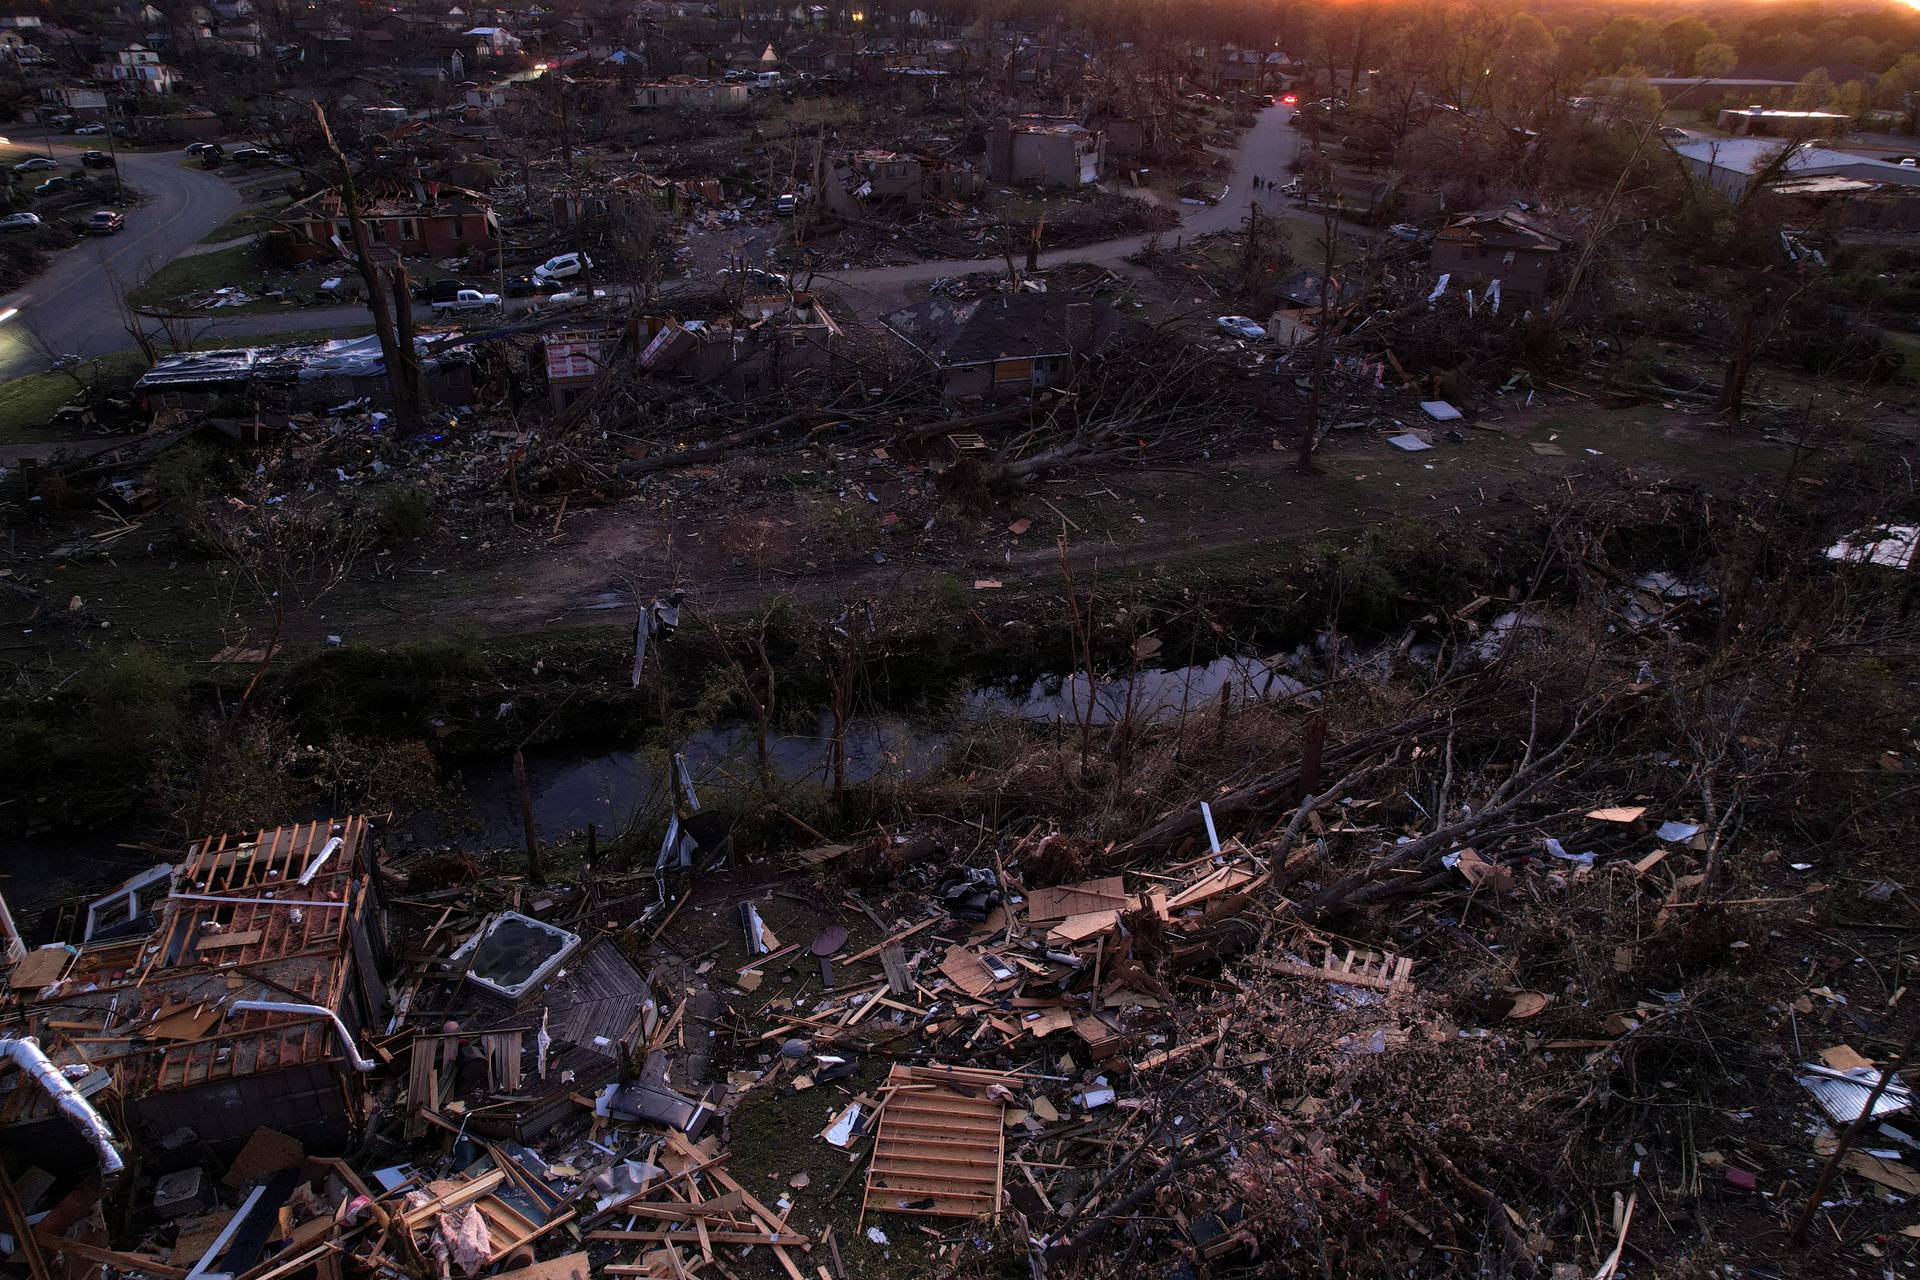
<point>1075,930</point>
<point>571,1267</point>
<point>1088,896</point>
<point>40,968</point>
<point>940,1149</point>
<point>183,1022</point>
<point>1201,893</point>
<point>268,1151</point>
<point>963,967</point>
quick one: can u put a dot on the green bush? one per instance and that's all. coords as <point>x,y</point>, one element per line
<point>406,513</point>
<point>109,738</point>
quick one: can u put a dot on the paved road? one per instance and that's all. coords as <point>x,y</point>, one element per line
<point>73,306</point>
<point>1265,150</point>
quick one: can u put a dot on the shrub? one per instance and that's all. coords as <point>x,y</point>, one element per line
<point>406,513</point>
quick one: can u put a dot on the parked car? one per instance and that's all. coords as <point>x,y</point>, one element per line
<point>96,160</point>
<point>786,205</point>
<point>570,298</point>
<point>521,286</point>
<point>468,300</point>
<point>439,290</point>
<point>104,222</point>
<point>563,266</point>
<point>752,277</point>
<point>56,184</point>
<point>34,164</point>
<point>1406,231</point>
<point>62,119</point>
<point>195,148</point>
<point>251,155</point>
<point>287,160</point>
<point>19,222</point>
<point>1242,327</point>
<point>90,130</point>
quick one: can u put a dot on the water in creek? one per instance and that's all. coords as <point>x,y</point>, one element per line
<point>607,789</point>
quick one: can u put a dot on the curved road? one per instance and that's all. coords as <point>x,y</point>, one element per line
<point>73,306</point>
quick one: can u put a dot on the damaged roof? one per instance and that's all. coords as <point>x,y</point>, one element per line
<point>1507,225</point>
<point>1002,326</point>
<point>397,200</point>
<point>271,918</point>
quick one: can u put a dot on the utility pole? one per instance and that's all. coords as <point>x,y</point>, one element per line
<point>113,151</point>
<point>566,125</point>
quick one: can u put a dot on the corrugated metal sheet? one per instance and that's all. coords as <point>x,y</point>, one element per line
<point>1843,1095</point>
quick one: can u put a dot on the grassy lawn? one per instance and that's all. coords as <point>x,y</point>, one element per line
<point>187,277</point>
<point>200,272</point>
<point>27,403</point>
<point>247,222</point>
<point>1908,345</point>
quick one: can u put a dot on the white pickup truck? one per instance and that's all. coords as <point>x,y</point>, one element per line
<point>468,300</point>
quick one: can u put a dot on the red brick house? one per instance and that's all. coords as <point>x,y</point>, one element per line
<point>417,219</point>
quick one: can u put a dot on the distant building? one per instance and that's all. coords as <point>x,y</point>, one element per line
<point>689,93</point>
<point>1504,244</point>
<point>422,219</point>
<point>1732,165</point>
<point>1765,122</point>
<point>136,66</point>
<point>1048,150</point>
<point>79,100</point>
<point>1005,345</point>
<point>494,41</point>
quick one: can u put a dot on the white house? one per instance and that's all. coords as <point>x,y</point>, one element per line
<point>139,67</point>
<point>497,41</point>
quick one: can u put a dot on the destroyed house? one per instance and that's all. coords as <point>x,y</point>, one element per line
<point>629,195</point>
<point>1508,244</point>
<point>310,374</point>
<point>1005,345</point>
<point>860,182</point>
<point>417,219</point>
<point>513,978</point>
<point>767,339</point>
<point>234,1012</point>
<point>689,93</point>
<point>574,362</point>
<point>1048,151</point>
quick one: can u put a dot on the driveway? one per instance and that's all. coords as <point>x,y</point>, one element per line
<point>73,306</point>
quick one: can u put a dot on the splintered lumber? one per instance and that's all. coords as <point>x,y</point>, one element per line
<point>782,1238</point>
<point>1216,882</point>
<point>1376,970</point>
<point>939,1151</point>
<point>109,1257</point>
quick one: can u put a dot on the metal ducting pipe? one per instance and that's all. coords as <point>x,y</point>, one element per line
<point>27,1053</point>
<point>318,1011</point>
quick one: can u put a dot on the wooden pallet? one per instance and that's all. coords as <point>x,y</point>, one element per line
<point>940,1150</point>
<point>1376,970</point>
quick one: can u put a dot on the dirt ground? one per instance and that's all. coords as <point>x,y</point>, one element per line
<point>741,533</point>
